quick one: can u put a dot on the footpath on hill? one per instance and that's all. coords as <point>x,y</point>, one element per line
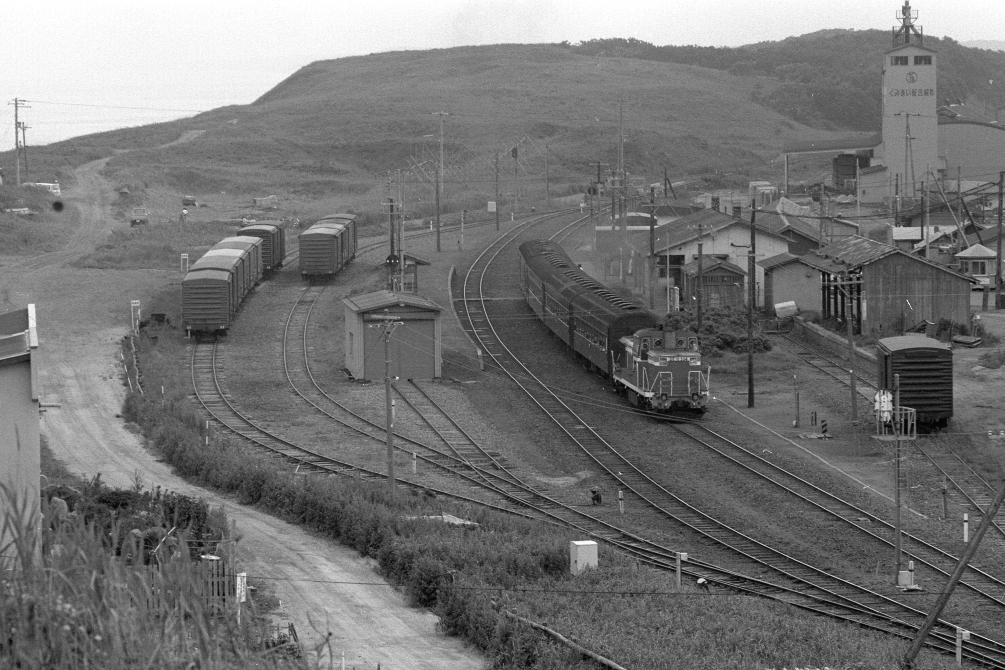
<point>82,315</point>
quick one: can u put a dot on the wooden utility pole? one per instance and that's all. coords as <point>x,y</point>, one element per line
<point>24,148</point>
<point>954,579</point>
<point>898,429</point>
<point>387,325</point>
<point>497,191</point>
<point>439,178</point>
<point>516,179</point>
<point>751,300</point>
<point>547,179</point>
<point>701,279</point>
<point>846,289</point>
<point>18,104</point>
<point>998,260</point>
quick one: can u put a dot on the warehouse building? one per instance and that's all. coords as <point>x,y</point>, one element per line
<point>414,341</point>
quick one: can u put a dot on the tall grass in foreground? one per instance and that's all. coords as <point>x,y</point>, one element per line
<point>68,602</point>
<point>469,576</point>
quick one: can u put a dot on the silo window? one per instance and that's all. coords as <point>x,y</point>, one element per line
<point>898,60</point>
<point>922,60</point>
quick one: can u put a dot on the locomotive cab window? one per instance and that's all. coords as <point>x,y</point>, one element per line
<point>693,344</point>
<point>645,344</point>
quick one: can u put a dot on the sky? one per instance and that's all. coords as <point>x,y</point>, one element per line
<point>97,65</point>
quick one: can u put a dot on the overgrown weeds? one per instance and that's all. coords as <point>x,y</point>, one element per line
<point>471,575</point>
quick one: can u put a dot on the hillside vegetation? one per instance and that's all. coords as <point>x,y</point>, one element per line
<point>329,135</point>
<point>830,78</point>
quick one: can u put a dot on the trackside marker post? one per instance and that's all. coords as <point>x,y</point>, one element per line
<point>681,557</point>
<point>621,501</point>
<point>414,463</point>
<point>966,527</point>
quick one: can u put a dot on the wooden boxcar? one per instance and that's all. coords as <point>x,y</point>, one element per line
<point>253,246</point>
<point>207,300</point>
<point>242,265</point>
<point>229,264</point>
<point>925,366</point>
<point>328,246</point>
<point>273,243</point>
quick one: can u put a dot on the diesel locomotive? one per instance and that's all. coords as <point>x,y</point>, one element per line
<point>658,370</point>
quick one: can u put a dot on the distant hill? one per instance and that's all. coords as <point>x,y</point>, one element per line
<point>829,78</point>
<point>993,45</point>
<point>335,129</point>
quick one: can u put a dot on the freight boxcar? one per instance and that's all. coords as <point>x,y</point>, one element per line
<point>273,243</point>
<point>328,246</point>
<point>241,268</point>
<point>925,366</point>
<point>207,300</point>
<point>232,266</point>
<point>253,246</point>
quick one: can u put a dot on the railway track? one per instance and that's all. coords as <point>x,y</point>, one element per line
<point>832,366</point>
<point>205,370</point>
<point>792,581</point>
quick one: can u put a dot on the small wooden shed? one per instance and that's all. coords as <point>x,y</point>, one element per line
<point>414,340</point>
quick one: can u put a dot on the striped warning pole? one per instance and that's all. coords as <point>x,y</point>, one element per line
<point>823,427</point>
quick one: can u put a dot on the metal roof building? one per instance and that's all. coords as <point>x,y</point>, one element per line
<point>19,423</point>
<point>415,348</point>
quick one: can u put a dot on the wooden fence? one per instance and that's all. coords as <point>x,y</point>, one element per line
<point>212,583</point>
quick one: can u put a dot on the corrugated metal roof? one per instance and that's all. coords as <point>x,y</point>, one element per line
<point>685,229</point>
<point>710,263</point>
<point>854,252</point>
<point>381,299</point>
<point>776,261</point>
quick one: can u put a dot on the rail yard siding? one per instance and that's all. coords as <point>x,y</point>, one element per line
<point>814,334</point>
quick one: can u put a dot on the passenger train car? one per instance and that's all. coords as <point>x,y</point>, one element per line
<point>658,370</point>
<point>328,246</point>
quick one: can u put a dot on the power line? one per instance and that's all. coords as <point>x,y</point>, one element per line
<point>83,104</point>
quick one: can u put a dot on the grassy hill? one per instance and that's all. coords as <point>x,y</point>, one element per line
<point>329,134</point>
<point>830,78</point>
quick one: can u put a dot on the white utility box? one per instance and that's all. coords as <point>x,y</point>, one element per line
<point>582,555</point>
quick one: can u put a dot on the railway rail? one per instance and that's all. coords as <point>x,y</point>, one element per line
<point>792,581</point>
<point>832,366</point>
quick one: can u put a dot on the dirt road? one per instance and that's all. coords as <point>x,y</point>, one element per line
<point>82,315</point>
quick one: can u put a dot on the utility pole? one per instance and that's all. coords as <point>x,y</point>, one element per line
<point>516,180</point>
<point>387,325</point>
<point>24,147</point>
<point>17,141</point>
<point>898,427</point>
<point>701,297</point>
<point>439,178</point>
<point>547,179</point>
<point>998,260</point>
<point>751,299</point>
<point>846,289</point>
<point>954,579</point>
<point>497,191</point>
